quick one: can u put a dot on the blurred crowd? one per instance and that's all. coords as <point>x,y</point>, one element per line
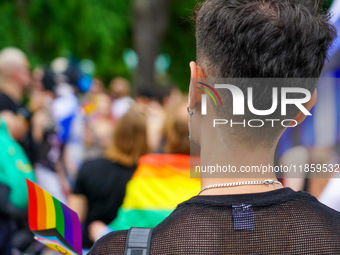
<point>63,122</point>
<point>84,141</point>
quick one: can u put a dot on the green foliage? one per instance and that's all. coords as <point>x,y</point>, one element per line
<point>98,30</point>
<point>327,3</point>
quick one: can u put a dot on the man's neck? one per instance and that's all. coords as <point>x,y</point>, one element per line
<point>12,90</point>
<point>239,158</point>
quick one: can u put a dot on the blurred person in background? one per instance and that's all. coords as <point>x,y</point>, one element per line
<point>161,181</point>
<point>15,79</point>
<point>170,97</point>
<point>97,87</point>
<point>330,194</point>
<point>100,185</point>
<point>69,115</point>
<point>146,101</point>
<point>99,127</point>
<point>90,99</point>
<point>312,182</point>
<point>121,96</point>
<point>14,168</point>
<point>48,171</point>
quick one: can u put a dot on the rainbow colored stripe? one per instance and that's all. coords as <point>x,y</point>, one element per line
<point>53,223</point>
<point>209,93</point>
<point>159,184</point>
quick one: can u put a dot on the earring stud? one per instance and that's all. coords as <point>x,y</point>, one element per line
<point>191,112</point>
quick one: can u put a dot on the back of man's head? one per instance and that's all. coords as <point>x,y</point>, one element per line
<point>262,39</point>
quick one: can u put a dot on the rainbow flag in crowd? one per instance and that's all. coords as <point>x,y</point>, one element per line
<point>52,222</point>
<point>160,183</point>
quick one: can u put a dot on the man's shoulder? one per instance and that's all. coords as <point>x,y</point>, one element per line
<point>316,204</point>
<point>113,243</point>
<point>321,218</point>
<point>327,211</point>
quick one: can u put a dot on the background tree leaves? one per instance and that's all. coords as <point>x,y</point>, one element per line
<point>97,30</point>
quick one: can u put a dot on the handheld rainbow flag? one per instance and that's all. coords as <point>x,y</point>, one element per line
<point>52,222</point>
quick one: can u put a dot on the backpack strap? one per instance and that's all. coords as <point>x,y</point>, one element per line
<point>138,241</point>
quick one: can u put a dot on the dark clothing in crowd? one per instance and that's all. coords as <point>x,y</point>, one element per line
<point>5,236</point>
<point>277,222</point>
<point>103,183</point>
<point>16,226</point>
<point>49,149</point>
<point>8,104</point>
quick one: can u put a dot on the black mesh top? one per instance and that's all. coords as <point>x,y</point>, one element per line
<point>277,222</point>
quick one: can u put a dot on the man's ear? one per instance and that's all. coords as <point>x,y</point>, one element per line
<point>197,74</point>
<point>309,105</point>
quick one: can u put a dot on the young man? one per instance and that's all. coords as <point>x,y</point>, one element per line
<point>243,214</point>
<point>14,80</point>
